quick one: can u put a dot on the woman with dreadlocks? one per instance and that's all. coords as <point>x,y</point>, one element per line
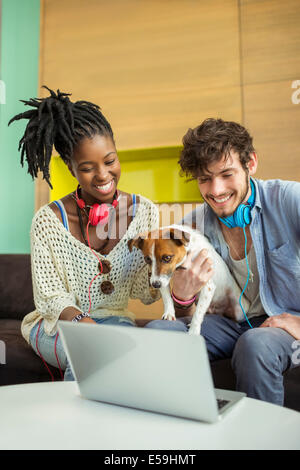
<point>82,269</point>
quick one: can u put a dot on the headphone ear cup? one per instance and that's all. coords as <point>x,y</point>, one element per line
<point>242,215</point>
<point>93,214</point>
<point>98,214</point>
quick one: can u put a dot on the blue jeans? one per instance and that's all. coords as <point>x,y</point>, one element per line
<point>51,348</point>
<point>259,355</point>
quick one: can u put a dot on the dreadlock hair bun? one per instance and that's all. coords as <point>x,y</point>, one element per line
<point>56,122</point>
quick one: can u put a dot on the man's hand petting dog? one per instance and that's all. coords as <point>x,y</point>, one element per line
<point>192,275</point>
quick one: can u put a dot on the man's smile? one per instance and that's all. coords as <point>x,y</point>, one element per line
<point>220,201</point>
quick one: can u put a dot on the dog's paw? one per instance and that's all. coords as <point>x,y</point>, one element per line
<point>195,330</point>
<point>169,316</point>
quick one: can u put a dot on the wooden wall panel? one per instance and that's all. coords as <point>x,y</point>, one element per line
<point>156,68</point>
<point>270,38</point>
<point>274,122</point>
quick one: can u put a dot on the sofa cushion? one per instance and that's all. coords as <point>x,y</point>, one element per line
<point>22,365</point>
<point>16,297</point>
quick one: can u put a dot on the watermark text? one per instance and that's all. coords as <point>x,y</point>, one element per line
<point>2,352</point>
<point>2,92</point>
<point>296,353</point>
<point>296,93</point>
<point>169,214</point>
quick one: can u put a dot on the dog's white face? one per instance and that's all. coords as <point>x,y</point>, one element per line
<point>162,262</point>
<point>164,251</point>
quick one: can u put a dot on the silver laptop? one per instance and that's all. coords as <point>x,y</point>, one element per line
<point>155,370</point>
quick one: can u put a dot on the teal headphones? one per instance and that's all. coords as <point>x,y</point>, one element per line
<point>242,215</point>
<point>240,218</point>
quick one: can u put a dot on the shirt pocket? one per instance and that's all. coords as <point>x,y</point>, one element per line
<point>283,272</point>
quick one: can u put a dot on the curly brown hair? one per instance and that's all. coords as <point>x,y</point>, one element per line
<point>209,142</point>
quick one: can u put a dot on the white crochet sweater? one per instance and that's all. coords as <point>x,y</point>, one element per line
<point>63,267</point>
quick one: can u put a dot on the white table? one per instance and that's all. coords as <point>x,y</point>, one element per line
<point>55,416</point>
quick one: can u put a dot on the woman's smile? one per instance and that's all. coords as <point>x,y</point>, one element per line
<point>105,188</point>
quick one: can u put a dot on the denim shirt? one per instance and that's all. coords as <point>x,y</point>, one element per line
<point>275,232</point>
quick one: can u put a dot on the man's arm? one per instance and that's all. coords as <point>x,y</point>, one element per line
<point>184,312</point>
<point>290,200</point>
<point>291,203</point>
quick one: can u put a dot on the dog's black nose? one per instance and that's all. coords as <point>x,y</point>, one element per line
<point>156,284</point>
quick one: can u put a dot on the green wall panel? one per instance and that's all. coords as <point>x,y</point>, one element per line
<point>19,56</point>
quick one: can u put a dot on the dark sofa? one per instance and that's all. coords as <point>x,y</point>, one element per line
<point>22,365</point>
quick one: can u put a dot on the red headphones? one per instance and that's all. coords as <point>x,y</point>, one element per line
<point>98,213</point>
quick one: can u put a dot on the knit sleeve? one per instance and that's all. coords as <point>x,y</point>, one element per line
<point>50,291</point>
<point>140,287</point>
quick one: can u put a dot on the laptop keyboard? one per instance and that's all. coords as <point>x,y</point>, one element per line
<point>221,403</point>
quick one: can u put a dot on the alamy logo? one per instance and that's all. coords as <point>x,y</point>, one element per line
<point>296,94</point>
<point>2,92</point>
<point>296,354</point>
<point>2,352</point>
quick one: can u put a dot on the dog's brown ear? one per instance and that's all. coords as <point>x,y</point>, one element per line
<point>129,244</point>
<point>137,242</point>
<point>179,236</point>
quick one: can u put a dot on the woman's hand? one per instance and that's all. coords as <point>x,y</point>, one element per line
<point>189,281</point>
<point>70,312</point>
<point>285,321</point>
<point>88,320</point>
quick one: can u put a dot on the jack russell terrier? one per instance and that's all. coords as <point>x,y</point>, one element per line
<point>166,249</point>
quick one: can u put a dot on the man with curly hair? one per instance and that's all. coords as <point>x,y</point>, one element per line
<point>261,246</point>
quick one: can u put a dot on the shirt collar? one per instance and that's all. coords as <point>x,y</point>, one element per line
<point>257,195</point>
